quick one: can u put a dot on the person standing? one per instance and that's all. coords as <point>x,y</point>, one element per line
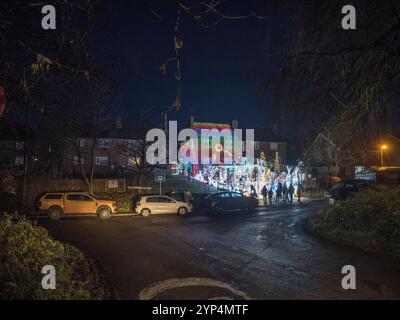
<point>299,192</point>
<point>253,191</point>
<point>278,192</point>
<point>291,192</point>
<point>187,195</point>
<point>270,195</point>
<point>264,193</point>
<point>285,192</point>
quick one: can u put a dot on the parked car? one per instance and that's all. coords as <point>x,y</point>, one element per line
<point>342,190</point>
<point>152,204</point>
<point>59,204</point>
<point>226,201</point>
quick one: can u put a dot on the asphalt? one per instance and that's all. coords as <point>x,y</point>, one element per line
<point>237,255</point>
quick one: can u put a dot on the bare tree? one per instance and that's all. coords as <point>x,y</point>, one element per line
<point>339,82</point>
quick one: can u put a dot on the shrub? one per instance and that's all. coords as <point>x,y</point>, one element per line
<point>25,249</point>
<point>369,219</point>
<point>123,199</point>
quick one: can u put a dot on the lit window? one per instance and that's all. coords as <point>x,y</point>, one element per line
<point>103,143</point>
<point>101,160</point>
<point>134,161</point>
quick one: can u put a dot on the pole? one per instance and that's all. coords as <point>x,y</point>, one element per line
<point>381,157</point>
<point>160,188</point>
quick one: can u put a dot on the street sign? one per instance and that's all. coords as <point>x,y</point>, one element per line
<point>159,175</point>
<point>2,100</point>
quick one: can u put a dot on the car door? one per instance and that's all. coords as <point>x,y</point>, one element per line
<point>79,204</point>
<point>88,204</point>
<point>225,201</point>
<point>72,202</point>
<point>238,201</point>
<point>153,204</point>
<point>168,205</point>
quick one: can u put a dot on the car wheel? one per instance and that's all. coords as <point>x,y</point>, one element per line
<point>182,211</point>
<point>251,209</point>
<point>104,213</point>
<point>145,212</point>
<point>55,213</point>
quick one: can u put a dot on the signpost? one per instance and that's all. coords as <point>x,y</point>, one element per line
<point>159,177</point>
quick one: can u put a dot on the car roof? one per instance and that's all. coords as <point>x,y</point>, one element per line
<point>58,192</point>
<point>155,195</point>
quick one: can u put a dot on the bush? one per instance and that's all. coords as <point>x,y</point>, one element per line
<point>25,249</point>
<point>369,219</point>
<point>123,199</point>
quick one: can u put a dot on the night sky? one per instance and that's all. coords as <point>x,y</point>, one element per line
<point>222,68</point>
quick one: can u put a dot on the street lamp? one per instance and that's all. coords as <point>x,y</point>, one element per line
<point>383,147</point>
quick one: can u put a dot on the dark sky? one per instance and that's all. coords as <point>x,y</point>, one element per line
<point>222,67</point>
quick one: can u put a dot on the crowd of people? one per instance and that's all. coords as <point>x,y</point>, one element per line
<point>282,193</point>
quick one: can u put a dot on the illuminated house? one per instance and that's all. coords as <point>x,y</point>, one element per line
<point>208,149</point>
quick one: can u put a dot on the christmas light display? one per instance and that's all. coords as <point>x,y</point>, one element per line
<point>246,178</point>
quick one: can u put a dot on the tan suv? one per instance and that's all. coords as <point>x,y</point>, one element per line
<point>59,204</point>
<point>147,205</point>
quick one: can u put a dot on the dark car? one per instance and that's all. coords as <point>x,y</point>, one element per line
<point>342,190</point>
<point>227,201</point>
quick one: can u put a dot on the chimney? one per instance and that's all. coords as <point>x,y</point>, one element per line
<point>235,124</point>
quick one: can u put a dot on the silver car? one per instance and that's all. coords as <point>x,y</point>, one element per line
<point>148,205</point>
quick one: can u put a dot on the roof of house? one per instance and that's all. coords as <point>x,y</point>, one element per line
<point>210,126</point>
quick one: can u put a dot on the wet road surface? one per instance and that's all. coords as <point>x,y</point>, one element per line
<point>263,255</point>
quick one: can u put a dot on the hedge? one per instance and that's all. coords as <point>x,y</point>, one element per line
<point>369,220</point>
<point>26,248</point>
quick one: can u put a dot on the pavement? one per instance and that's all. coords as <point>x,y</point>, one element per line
<point>235,255</point>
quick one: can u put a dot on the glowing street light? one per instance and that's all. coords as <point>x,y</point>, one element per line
<point>383,147</point>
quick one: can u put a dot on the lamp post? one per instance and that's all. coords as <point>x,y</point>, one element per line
<point>383,147</point>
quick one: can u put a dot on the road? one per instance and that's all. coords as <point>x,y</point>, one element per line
<point>263,255</point>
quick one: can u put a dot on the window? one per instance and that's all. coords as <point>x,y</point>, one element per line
<point>152,199</point>
<point>133,161</point>
<point>81,142</point>
<point>225,195</point>
<point>103,143</point>
<point>236,195</point>
<point>78,197</point>
<point>53,196</point>
<point>101,160</point>
<point>19,161</point>
<point>19,145</point>
<point>165,200</point>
